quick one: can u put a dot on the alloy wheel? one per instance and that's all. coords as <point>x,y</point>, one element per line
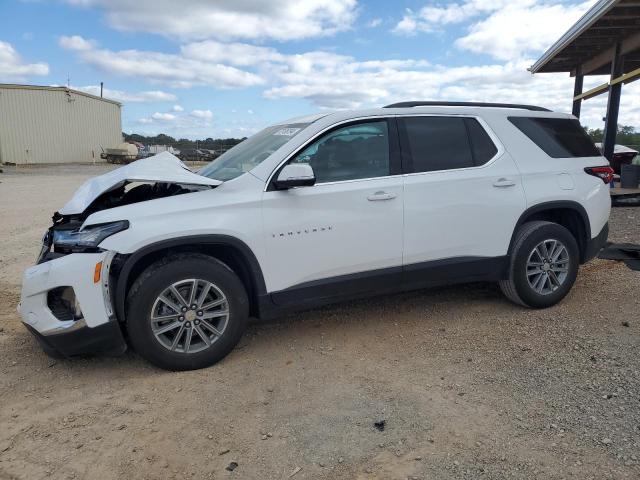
<point>189,316</point>
<point>547,266</point>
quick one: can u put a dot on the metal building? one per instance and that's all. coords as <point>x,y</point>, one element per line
<point>55,125</point>
<point>606,40</point>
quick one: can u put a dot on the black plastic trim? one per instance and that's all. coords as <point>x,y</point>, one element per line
<point>596,244</point>
<point>387,280</point>
<point>103,339</point>
<point>465,104</point>
<point>120,293</point>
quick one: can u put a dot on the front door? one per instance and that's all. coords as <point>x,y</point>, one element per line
<point>336,237</point>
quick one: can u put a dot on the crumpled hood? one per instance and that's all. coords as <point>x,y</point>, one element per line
<point>164,168</point>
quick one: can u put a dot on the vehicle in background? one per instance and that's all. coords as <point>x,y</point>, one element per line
<point>122,153</point>
<point>621,156</point>
<point>196,155</point>
<point>317,210</point>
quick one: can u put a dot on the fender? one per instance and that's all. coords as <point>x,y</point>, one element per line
<point>129,261</point>
<point>554,205</point>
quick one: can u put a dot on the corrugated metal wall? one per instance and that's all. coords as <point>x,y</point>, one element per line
<point>53,126</point>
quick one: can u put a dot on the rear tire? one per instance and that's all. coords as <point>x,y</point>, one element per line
<point>544,265</point>
<point>177,330</point>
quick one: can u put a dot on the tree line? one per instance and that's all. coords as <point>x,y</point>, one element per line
<point>626,135</point>
<point>184,143</point>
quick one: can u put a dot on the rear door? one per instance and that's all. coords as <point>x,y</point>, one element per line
<point>463,192</point>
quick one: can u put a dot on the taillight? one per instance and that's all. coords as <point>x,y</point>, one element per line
<point>604,173</point>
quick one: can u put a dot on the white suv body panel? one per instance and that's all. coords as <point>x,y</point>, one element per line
<point>332,229</point>
<point>428,216</point>
<point>547,179</point>
<point>460,213</point>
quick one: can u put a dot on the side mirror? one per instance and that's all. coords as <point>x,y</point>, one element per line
<point>295,175</point>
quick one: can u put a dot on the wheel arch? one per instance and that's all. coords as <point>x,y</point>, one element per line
<point>230,250</point>
<point>569,214</point>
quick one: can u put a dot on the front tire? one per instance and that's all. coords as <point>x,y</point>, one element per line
<point>544,265</point>
<point>186,312</point>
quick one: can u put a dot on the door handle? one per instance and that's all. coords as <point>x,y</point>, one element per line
<point>504,182</point>
<point>378,196</point>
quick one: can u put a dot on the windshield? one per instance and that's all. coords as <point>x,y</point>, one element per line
<point>251,152</point>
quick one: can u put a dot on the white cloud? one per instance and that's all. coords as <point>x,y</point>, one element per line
<point>178,71</point>
<point>204,114</point>
<point>148,96</point>
<point>12,67</point>
<point>250,112</point>
<point>237,54</point>
<point>338,82</point>
<point>177,108</point>
<point>228,19</point>
<point>507,29</point>
<point>163,117</point>
<point>431,18</point>
<point>76,42</point>
<point>516,30</point>
<point>376,22</point>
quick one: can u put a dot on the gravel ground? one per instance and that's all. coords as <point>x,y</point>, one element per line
<point>467,384</point>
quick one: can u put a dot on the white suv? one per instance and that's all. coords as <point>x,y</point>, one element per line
<point>316,210</point>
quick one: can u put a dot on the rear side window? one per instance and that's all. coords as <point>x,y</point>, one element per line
<point>482,147</point>
<point>444,143</point>
<point>557,137</point>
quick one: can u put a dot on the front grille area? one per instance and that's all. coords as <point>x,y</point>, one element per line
<point>62,303</point>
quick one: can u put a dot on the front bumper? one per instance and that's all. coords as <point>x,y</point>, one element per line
<point>104,339</point>
<point>97,331</point>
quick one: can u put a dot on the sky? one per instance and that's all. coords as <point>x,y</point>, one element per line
<point>227,68</point>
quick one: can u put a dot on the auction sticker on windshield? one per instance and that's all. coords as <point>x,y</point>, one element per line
<point>288,132</point>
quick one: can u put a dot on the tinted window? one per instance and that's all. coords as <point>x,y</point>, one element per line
<point>357,151</point>
<point>435,143</point>
<point>482,147</point>
<point>557,137</point>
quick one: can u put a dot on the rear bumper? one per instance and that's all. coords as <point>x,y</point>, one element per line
<point>104,339</point>
<point>596,244</point>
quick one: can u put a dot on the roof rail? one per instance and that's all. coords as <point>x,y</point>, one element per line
<point>465,104</point>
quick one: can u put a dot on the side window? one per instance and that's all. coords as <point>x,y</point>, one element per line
<point>357,151</point>
<point>557,137</point>
<point>435,143</point>
<point>482,147</point>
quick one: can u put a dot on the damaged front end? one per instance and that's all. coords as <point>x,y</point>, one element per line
<point>153,178</point>
<point>68,235</point>
<point>67,298</point>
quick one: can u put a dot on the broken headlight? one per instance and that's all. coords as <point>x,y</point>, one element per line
<point>87,237</point>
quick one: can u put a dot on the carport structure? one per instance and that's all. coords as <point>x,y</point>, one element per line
<point>606,40</point>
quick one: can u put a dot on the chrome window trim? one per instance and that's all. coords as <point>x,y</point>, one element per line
<point>494,138</point>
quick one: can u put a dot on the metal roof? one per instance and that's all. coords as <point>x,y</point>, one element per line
<point>56,89</point>
<point>590,42</point>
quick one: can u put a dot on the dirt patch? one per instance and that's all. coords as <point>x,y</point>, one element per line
<point>469,385</point>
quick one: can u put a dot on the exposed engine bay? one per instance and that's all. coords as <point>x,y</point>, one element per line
<point>127,194</point>
<point>124,194</point>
